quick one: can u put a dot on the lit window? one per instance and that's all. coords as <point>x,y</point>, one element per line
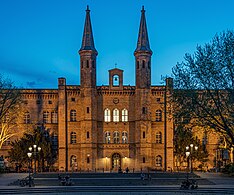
<point>158,161</point>
<point>116,137</point>
<point>73,137</point>
<point>107,117</point>
<point>73,162</point>
<point>125,137</point>
<point>158,115</point>
<point>73,115</point>
<point>46,117</point>
<point>124,115</point>
<point>158,137</point>
<point>54,117</point>
<point>26,118</point>
<point>107,137</point>
<point>116,115</point>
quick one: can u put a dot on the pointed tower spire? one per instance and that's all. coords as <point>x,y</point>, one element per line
<point>88,55</point>
<point>143,56</point>
<point>88,41</point>
<point>143,40</point>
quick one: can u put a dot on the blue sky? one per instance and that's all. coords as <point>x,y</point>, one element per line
<point>39,39</point>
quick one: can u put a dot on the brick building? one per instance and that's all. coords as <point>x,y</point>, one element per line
<point>106,127</point>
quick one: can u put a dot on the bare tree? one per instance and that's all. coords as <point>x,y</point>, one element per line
<point>10,100</point>
<point>204,86</point>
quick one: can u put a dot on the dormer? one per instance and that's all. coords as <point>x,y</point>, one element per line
<point>116,79</point>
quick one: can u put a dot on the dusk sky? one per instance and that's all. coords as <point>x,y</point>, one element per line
<point>40,39</point>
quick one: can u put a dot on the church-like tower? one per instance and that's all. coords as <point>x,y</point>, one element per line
<point>88,55</point>
<point>142,95</point>
<point>143,55</point>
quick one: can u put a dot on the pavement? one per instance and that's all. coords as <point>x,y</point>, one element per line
<point>217,184</point>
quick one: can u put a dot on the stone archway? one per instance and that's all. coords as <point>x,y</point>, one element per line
<point>116,161</point>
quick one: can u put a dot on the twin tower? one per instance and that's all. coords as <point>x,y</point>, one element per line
<point>88,55</point>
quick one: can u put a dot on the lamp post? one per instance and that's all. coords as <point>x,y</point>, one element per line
<point>187,155</point>
<point>29,175</point>
<point>190,150</point>
<point>35,150</point>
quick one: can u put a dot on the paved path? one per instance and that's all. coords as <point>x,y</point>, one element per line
<point>217,178</point>
<point>8,178</point>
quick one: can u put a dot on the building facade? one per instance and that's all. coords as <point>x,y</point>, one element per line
<point>106,127</point>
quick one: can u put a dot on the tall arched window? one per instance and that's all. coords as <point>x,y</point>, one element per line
<point>158,137</point>
<point>107,117</point>
<point>158,115</point>
<point>54,117</point>
<point>26,117</point>
<point>116,115</point>
<point>116,137</point>
<point>124,115</point>
<point>124,137</point>
<point>73,137</point>
<point>107,137</point>
<point>158,161</point>
<point>73,162</point>
<point>45,117</point>
<point>73,115</point>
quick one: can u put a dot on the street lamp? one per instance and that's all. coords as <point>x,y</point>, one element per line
<point>187,155</point>
<point>36,150</point>
<point>190,147</point>
<point>29,175</point>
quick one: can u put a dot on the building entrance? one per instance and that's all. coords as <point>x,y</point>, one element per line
<point>116,161</point>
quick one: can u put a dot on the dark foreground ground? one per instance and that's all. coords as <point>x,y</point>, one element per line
<point>116,179</point>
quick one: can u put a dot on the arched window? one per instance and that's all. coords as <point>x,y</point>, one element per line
<point>124,115</point>
<point>54,139</point>
<point>116,137</point>
<point>107,117</point>
<point>26,117</point>
<point>54,117</point>
<point>158,137</point>
<point>115,80</point>
<point>116,115</point>
<point>73,162</point>
<point>143,64</point>
<point>143,159</point>
<point>73,115</point>
<point>45,117</point>
<point>158,115</point>
<point>158,161</point>
<point>87,134</point>
<point>73,137</point>
<point>124,137</point>
<point>107,137</point>
<point>87,63</point>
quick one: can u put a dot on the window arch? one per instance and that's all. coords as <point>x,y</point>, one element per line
<point>124,137</point>
<point>26,117</point>
<point>107,137</point>
<point>158,115</point>
<point>116,137</point>
<point>54,117</point>
<point>45,117</point>
<point>158,161</point>
<point>115,80</point>
<point>73,137</point>
<point>107,117</point>
<point>158,137</point>
<point>73,162</point>
<point>116,115</point>
<point>73,115</point>
<point>124,115</point>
